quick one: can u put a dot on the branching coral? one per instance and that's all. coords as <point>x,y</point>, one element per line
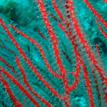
<point>53,61</point>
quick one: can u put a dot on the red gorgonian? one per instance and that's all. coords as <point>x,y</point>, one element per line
<point>55,63</point>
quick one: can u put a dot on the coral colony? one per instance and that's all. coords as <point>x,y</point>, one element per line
<point>53,53</point>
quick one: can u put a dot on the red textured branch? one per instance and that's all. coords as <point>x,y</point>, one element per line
<point>88,86</point>
<point>65,22</point>
<point>28,85</point>
<point>76,74</point>
<point>54,43</point>
<point>101,30</point>
<point>19,86</point>
<point>57,10</point>
<point>78,38</point>
<point>84,42</point>
<point>41,51</point>
<point>12,96</point>
<point>97,86</point>
<point>95,13</point>
<point>28,61</point>
<point>77,55</point>
<point>52,36</point>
